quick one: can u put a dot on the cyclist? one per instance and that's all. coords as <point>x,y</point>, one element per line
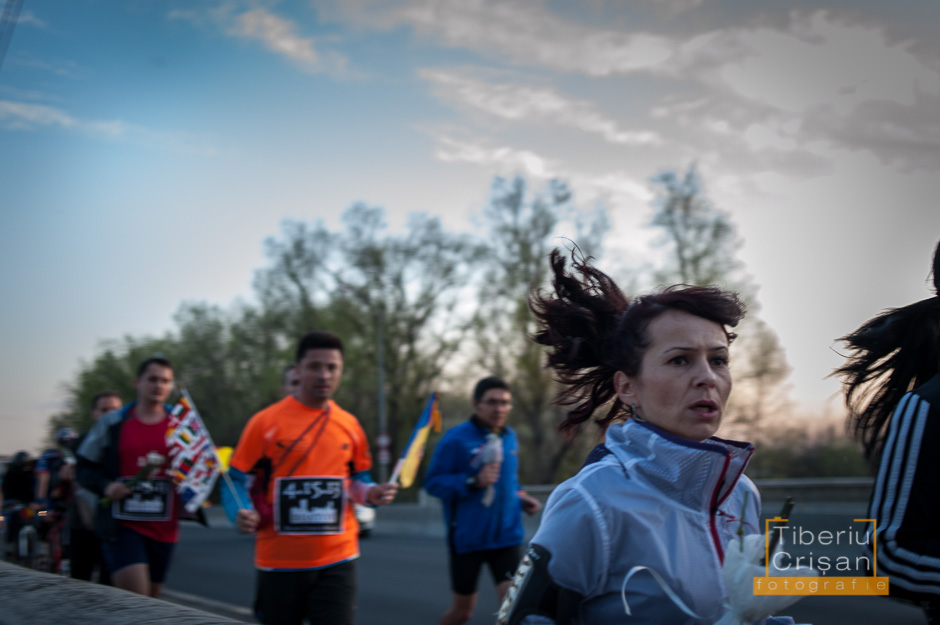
<point>55,474</point>
<point>18,487</point>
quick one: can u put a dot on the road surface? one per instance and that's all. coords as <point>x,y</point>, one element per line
<point>403,576</point>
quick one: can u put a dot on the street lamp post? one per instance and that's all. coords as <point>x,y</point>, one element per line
<point>384,456</point>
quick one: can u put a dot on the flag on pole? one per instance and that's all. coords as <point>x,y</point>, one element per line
<point>407,466</point>
<point>194,464</point>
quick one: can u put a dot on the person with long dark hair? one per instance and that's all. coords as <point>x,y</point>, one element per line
<point>892,389</point>
<point>663,493</point>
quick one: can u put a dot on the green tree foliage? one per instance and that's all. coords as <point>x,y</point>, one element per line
<point>701,244</point>
<point>442,309</point>
<point>113,369</point>
<point>398,291</point>
<point>700,240</point>
<point>522,229</point>
<point>791,452</point>
<point>228,362</point>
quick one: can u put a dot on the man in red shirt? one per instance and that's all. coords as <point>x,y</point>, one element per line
<point>307,539</point>
<point>137,523</point>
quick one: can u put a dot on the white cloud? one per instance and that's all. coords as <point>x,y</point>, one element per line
<point>278,34</point>
<point>822,61</point>
<point>524,32</point>
<point>533,105</point>
<point>614,188</point>
<point>27,116</point>
<point>614,185</point>
<point>24,116</point>
<point>674,7</point>
<point>28,17</point>
<point>64,68</point>
<point>807,79</point>
<point>503,159</point>
<point>817,81</point>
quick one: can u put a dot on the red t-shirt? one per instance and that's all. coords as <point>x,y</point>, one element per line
<point>137,440</point>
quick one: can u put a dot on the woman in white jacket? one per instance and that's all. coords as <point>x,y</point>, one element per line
<point>663,493</point>
<point>892,388</point>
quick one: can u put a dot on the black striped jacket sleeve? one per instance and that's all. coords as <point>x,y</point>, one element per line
<point>906,498</point>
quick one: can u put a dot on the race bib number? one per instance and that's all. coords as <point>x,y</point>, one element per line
<point>309,505</point>
<point>150,500</point>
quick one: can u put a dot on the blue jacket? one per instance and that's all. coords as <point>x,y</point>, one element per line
<point>471,526</point>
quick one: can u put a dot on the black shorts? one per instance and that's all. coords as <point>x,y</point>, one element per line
<point>465,567</point>
<point>326,595</point>
<point>133,548</point>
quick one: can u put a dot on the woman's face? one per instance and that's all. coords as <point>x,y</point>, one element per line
<point>684,380</point>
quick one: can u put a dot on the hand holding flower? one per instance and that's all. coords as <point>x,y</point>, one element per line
<point>116,491</point>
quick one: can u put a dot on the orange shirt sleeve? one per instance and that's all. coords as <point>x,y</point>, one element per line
<point>250,446</point>
<point>362,457</point>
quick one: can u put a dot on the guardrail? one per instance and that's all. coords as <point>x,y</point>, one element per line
<point>814,489</point>
<point>817,489</point>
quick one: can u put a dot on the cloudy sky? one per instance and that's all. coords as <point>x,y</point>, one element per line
<point>148,147</point>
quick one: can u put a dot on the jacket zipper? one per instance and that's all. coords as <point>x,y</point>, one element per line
<point>713,526</point>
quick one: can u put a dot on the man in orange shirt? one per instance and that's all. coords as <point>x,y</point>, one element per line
<point>307,534</point>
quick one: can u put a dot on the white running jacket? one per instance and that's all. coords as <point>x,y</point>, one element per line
<point>657,501</point>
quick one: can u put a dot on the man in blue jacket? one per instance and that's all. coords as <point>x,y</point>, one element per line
<point>483,503</point>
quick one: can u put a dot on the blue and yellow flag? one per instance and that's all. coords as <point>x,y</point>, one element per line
<point>407,467</point>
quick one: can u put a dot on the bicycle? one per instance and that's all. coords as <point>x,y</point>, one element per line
<point>24,524</point>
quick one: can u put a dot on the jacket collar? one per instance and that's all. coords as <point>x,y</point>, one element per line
<point>128,409</point>
<point>475,420</point>
<point>696,474</point>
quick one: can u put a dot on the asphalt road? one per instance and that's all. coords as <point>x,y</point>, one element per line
<point>403,577</point>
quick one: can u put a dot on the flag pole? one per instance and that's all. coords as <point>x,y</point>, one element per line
<point>215,452</point>
<point>396,471</point>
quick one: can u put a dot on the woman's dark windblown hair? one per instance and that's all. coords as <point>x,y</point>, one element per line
<point>593,330</point>
<point>891,355</point>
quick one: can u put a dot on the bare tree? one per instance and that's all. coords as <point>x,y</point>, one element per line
<point>701,243</point>
<point>519,238</point>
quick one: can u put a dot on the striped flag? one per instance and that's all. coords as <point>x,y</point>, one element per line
<point>407,467</point>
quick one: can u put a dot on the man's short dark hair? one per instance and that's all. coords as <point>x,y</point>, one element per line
<point>101,395</point>
<point>486,384</point>
<point>318,339</point>
<point>153,360</point>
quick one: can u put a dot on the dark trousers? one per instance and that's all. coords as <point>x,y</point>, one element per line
<point>323,596</point>
<point>86,556</point>
<point>932,612</point>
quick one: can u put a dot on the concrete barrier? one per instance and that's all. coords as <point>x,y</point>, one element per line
<point>28,597</point>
